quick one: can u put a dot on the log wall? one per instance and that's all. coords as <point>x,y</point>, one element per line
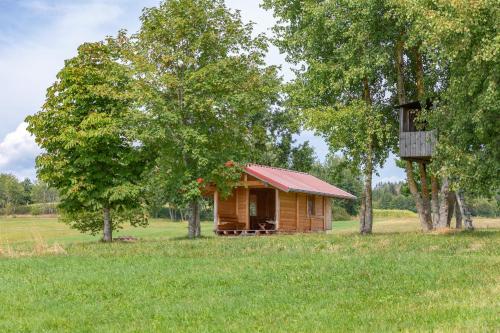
<point>288,211</point>
<point>303,223</point>
<point>293,214</point>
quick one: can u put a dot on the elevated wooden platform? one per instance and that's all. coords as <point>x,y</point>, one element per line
<point>244,232</point>
<point>417,145</point>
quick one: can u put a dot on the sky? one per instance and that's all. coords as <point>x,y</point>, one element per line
<point>36,36</point>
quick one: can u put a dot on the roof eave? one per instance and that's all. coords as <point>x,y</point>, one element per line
<point>347,196</point>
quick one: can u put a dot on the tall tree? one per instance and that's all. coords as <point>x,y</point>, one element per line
<point>91,154</point>
<point>342,52</point>
<point>458,44</point>
<point>207,92</point>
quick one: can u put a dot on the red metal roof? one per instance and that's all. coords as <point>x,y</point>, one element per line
<point>294,181</point>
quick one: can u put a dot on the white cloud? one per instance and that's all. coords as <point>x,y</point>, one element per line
<point>31,58</point>
<point>17,153</point>
<point>29,62</point>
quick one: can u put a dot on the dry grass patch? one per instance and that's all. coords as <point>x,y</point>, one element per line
<point>39,247</point>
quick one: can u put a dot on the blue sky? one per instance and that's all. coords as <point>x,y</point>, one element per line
<point>36,36</point>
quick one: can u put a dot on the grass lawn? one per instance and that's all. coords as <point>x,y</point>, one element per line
<point>394,280</point>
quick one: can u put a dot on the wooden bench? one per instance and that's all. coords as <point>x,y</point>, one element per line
<point>230,223</point>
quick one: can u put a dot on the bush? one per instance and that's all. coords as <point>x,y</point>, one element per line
<point>43,208</point>
<point>339,213</point>
<point>485,207</point>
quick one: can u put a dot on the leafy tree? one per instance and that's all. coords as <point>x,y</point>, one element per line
<point>206,91</point>
<point>342,53</point>
<point>91,154</point>
<point>451,49</point>
<point>462,37</point>
<point>27,185</point>
<point>11,193</point>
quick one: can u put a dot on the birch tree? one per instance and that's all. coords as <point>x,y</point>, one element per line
<point>341,53</point>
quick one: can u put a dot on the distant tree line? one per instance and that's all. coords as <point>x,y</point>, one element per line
<point>26,197</point>
<point>397,196</point>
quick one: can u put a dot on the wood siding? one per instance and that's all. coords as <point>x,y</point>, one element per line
<point>291,210</point>
<point>417,145</point>
<point>304,223</point>
<point>288,211</point>
<point>242,194</point>
<point>227,206</point>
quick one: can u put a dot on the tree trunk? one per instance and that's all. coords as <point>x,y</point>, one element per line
<point>194,219</point>
<point>107,228</point>
<point>426,203</point>
<point>436,209</point>
<point>444,207</point>
<point>426,226</point>
<point>458,215</point>
<point>366,218</point>
<point>451,207</point>
<point>464,211</point>
<point>362,211</point>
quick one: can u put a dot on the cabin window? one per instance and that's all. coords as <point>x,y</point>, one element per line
<point>252,205</point>
<point>311,209</point>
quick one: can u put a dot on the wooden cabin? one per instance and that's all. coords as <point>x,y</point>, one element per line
<point>415,142</point>
<point>269,200</point>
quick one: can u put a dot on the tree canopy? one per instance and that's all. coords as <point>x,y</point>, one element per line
<point>91,154</point>
<point>206,92</point>
<point>342,55</point>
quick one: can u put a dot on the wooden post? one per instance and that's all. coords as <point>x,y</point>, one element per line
<point>235,191</point>
<point>297,212</point>
<point>324,214</point>
<point>277,208</point>
<point>216,209</point>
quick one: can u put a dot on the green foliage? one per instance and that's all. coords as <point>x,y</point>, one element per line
<point>460,43</point>
<point>393,196</point>
<point>206,93</point>
<point>339,56</point>
<point>91,153</point>
<point>12,193</point>
<point>41,192</point>
<point>485,207</point>
<point>339,213</point>
<point>335,170</point>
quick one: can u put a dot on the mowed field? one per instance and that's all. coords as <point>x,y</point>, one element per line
<point>53,279</point>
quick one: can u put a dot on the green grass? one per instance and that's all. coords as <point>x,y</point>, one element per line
<point>391,281</point>
<point>393,213</point>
